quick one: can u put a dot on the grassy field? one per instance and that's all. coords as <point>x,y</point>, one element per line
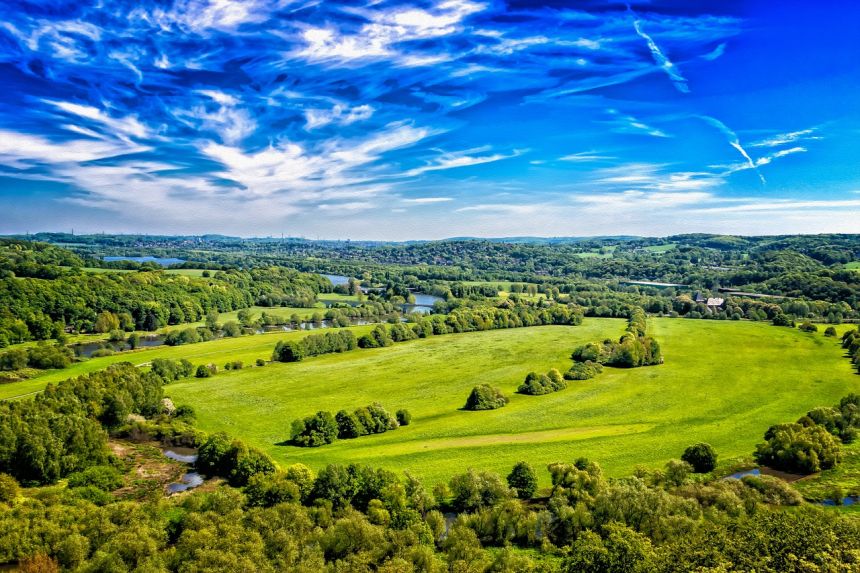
<point>853,266</point>
<point>723,382</point>
<point>244,348</point>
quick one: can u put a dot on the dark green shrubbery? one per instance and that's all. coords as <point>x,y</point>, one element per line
<point>485,397</point>
<point>537,384</point>
<point>830,331</point>
<point>808,327</point>
<point>404,418</point>
<point>171,370</point>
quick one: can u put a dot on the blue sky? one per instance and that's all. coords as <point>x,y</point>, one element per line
<point>408,120</point>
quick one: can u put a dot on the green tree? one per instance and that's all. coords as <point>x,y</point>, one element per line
<point>523,480</point>
<point>702,456</point>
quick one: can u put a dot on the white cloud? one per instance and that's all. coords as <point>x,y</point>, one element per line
<point>428,200</point>
<point>340,114</point>
<point>461,159</point>
<point>786,138</point>
<point>124,126</point>
<point>584,157</point>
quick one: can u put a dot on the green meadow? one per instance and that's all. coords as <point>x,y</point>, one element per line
<point>245,348</point>
<point>723,382</point>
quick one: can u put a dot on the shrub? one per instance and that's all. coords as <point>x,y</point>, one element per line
<point>523,480</point>
<point>830,331</point>
<point>702,457</point>
<point>783,320</point>
<point>8,488</point>
<point>203,371</point>
<point>808,327</point>
<point>537,384</point>
<point>404,418</point>
<point>583,370</point>
<point>485,397</point>
<point>314,431</point>
<point>105,478</point>
<point>260,362</point>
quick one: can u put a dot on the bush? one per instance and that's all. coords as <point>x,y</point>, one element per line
<point>798,448</point>
<point>8,488</point>
<point>583,370</point>
<point>783,320</point>
<point>314,431</point>
<point>203,371</point>
<point>260,362</point>
<point>537,384</point>
<point>105,478</point>
<point>830,331</point>
<point>702,457</point>
<point>485,397</point>
<point>808,327</point>
<point>523,480</point>
<point>404,418</point>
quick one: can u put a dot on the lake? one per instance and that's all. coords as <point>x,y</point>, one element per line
<point>163,261</point>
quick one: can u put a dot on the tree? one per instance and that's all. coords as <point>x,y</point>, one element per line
<point>212,320</point>
<point>106,321</point>
<point>523,480</point>
<point>473,490</point>
<point>485,397</point>
<point>830,331</point>
<point>701,456</point>
<point>348,425</point>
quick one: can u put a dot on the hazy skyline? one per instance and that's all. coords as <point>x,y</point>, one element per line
<point>422,120</point>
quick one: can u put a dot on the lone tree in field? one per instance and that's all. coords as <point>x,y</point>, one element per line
<point>485,397</point>
<point>523,480</point>
<point>702,457</point>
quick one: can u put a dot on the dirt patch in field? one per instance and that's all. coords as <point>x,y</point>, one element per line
<point>148,471</point>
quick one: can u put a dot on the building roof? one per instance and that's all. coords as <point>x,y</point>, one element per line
<point>715,301</point>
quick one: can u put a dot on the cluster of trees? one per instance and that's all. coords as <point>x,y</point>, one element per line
<point>851,343</point>
<point>221,456</point>
<point>537,384</point>
<point>42,356</point>
<point>44,292</point>
<point>798,448</point>
<point>813,442</point>
<point>314,345</point>
<point>322,428</point>
<point>63,429</point>
<point>485,397</point>
<point>634,348</point>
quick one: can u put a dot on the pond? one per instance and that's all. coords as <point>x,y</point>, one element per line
<point>423,302</point>
<point>189,480</point>
<point>739,475</point>
<point>163,261</point>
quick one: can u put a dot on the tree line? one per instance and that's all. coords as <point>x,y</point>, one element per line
<point>322,428</point>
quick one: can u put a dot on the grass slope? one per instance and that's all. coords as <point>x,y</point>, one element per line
<point>723,382</point>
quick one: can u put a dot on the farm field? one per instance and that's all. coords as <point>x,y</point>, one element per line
<point>723,383</point>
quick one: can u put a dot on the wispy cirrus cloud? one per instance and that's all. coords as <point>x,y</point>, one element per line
<point>679,81</point>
